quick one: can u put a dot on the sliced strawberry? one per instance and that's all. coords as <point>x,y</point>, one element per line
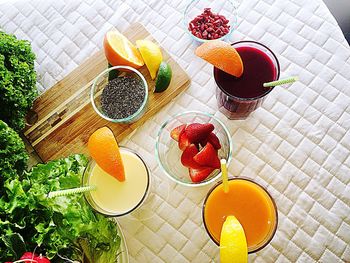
<point>183,141</point>
<point>198,175</point>
<point>197,132</point>
<point>175,133</point>
<point>187,157</point>
<point>208,156</point>
<point>213,139</point>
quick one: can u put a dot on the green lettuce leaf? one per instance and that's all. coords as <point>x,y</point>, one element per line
<point>54,226</point>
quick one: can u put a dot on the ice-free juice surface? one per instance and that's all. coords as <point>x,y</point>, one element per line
<point>258,69</point>
<point>120,197</point>
<point>248,202</point>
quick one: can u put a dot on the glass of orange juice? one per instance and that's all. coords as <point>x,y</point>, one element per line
<point>115,198</point>
<point>250,203</point>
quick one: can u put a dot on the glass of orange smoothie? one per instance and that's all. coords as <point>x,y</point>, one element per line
<point>250,203</point>
<point>115,198</point>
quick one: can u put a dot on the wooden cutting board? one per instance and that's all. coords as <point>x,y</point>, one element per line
<point>65,117</point>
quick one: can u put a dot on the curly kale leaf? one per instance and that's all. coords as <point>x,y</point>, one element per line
<point>13,155</point>
<point>17,80</point>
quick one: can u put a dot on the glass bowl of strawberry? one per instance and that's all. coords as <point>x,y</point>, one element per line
<point>189,147</point>
<point>210,20</point>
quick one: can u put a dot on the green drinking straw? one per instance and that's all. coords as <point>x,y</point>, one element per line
<point>281,82</point>
<point>71,191</point>
<point>224,175</point>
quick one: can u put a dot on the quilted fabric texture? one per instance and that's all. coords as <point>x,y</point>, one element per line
<point>297,144</point>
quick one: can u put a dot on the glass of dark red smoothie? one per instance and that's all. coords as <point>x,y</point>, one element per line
<point>238,97</point>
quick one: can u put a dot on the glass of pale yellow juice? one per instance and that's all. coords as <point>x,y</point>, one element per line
<point>115,198</point>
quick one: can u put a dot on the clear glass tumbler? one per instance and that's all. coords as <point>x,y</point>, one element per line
<point>233,106</point>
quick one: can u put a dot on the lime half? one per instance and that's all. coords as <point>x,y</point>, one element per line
<point>233,243</point>
<point>163,77</point>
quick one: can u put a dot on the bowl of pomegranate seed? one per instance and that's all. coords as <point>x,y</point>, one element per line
<point>189,147</point>
<point>210,20</point>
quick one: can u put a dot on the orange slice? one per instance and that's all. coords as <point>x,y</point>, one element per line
<point>120,51</point>
<point>222,55</point>
<point>104,149</point>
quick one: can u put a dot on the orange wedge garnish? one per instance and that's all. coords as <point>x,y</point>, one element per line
<point>104,149</point>
<point>120,51</point>
<point>222,55</point>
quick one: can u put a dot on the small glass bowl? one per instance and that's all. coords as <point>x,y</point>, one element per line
<point>168,153</point>
<point>100,83</point>
<point>226,8</point>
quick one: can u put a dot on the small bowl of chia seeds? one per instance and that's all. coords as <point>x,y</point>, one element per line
<point>119,94</point>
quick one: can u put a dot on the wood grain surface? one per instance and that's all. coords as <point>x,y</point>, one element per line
<point>66,117</point>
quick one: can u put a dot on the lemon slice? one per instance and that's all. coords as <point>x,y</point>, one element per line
<point>233,244</point>
<point>151,54</point>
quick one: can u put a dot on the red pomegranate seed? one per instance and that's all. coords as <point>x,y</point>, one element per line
<point>209,25</point>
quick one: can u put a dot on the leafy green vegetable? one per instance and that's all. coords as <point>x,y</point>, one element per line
<point>63,226</point>
<point>13,155</point>
<point>17,80</point>
<point>15,243</point>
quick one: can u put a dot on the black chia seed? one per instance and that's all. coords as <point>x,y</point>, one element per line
<point>122,97</point>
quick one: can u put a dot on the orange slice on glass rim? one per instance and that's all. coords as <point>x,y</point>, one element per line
<point>104,149</point>
<point>222,55</point>
<point>120,51</point>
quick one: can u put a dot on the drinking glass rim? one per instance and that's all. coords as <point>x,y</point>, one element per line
<point>259,185</point>
<point>262,95</point>
<point>141,200</point>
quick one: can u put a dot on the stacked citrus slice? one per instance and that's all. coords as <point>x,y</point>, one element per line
<point>120,51</point>
<point>104,149</point>
<point>233,243</point>
<point>163,77</point>
<point>151,54</point>
<point>222,55</point>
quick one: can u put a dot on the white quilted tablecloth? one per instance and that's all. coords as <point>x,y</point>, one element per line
<point>297,144</point>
